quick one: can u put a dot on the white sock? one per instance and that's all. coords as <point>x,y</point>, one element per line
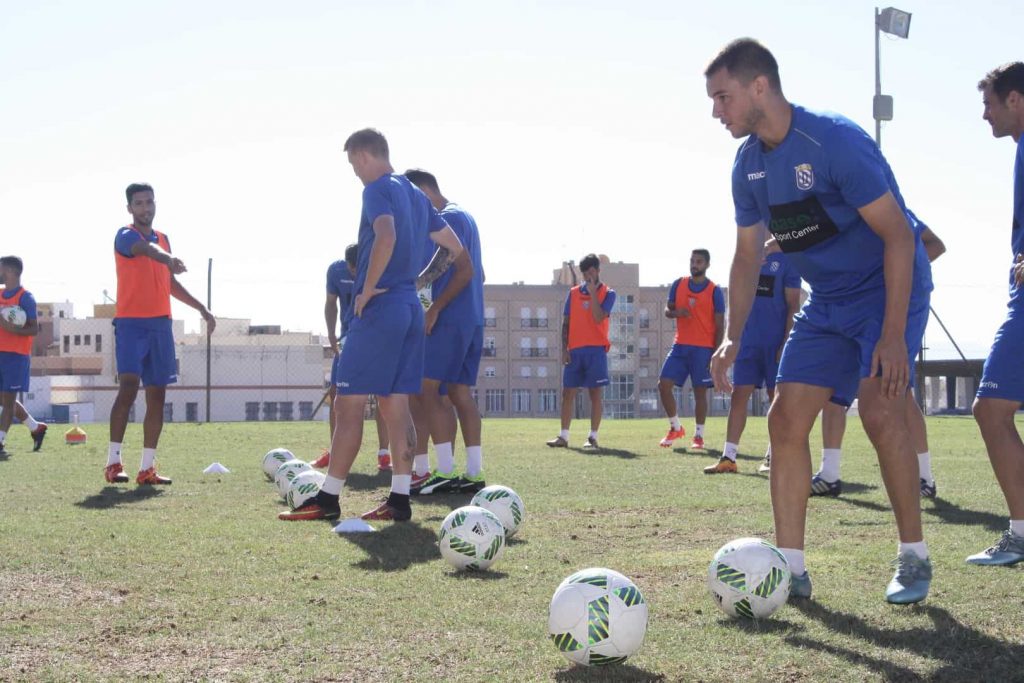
<point>768,453</point>
<point>674,421</point>
<point>421,463</point>
<point>383,451</point>
<point>698,433</point>
<point>445,457</point>
<point>31,423</point>
<point>1017,526</point>
<point>474,460</point>
<point>400,483</point>
<point>113,453</point>
<point>564,434</point>
<point>924,464</point>
<point>3,435</point>
<point>795,558</point>
<point>920,549</point>
<point>593,434</point>
<point>148,458</point>
<point>332,485</point>
<point>730,451</point>
<point>830,460</point>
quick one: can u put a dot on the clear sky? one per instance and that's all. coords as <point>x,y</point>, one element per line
<point>564,127</point>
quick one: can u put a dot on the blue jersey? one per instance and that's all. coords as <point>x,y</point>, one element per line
<point>921,262</point>
<point>766,325</point>
<point>467,308</point>
<point>808,190</point>
<point>393,195</point>
<point>1017,231</point>
<point>341,285</point>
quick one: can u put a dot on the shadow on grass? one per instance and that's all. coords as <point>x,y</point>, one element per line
<point>357,481</point>
<point>112,497</point>
<point>954,514</point>
<point>484,575</point>
<point>700,452</point>
<point>620,672</point>
<point>605,451</point>
<point>760,626</point>
<point>396,547</point>
<point>964,652</point>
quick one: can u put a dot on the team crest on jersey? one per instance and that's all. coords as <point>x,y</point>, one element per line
<point>804,177</point>
<point>693,301</point>
<point>586,304</point>
<point>774,267</point>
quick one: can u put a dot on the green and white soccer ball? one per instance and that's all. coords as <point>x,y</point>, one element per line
<point>304,486</point>
<point>506,505</point>
<point>597,617</point>
<point>749,578</point>
<point>274,459</point>
<point>15,315</point>
<point>288,471</point>
<point>471,538</point>
<point>426,296</point>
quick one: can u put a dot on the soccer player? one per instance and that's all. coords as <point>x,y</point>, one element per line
<point>143,338</point>
<point>340,276</point>
<point>698,307</point>
<point>827,482</point>
<point>1001,391</point>
<point>15,343</point>
<point>820,184</point>
<point>383,352</point>
<point>585,347</point>
<point>771,318</point>
<point>36,428</point>
<point>454,325</point>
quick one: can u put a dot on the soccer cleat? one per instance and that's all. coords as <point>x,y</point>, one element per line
<point>37,437</point>
<point>1008,550</point>
<point>418,480</point>
<point>384,462</point>
<point>912,579</point>
<point>323,461</point>
<point>800,586</point>
<point>387,513</point>
<point>928,490</point>
<point>468,484</point>
<point>766,464</point>
<point>820,487</point>
<point>3,451</point>
<point>151,478</point>
<point>437,483</point>
<point>672,435</point>
<point>723,466</point>
<point>591,444</point>
<point>321,506</point>
<point>114,474</point>
<point>698,442</point>
<point>558,442</point>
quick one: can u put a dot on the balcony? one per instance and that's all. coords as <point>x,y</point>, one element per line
<point>490,322</point>
<point>490,353</point>
<point>533,352</point>
<point>533,322</point>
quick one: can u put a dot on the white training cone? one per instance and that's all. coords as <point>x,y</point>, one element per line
<point>216,468</point>
<point>354,526</point>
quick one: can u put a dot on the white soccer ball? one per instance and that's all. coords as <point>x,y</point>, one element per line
<point>597,617</point>
<point>749,578</point>
<point>304,486</point>
<point>426,296</point>
<point>274,459</point>
<point>14,315</point>
<point>288,471</point>
<point>506,505</point>
<point>471,538</point>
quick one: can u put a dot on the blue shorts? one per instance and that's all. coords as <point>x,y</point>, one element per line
<point>831,343</point>
<point>756,366</point>
<point>145,347</point>
<point>453,353</point>
<point>685,361</point>
<point>14,372</point>
<point>1003,376</point>
<point>383,351</point>
<point>588,367</point>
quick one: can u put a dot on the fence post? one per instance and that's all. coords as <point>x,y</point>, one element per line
<point>209,306</point>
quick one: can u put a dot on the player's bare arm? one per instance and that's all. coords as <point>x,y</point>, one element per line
<point>460,280</point>
<point>565,340</point>
<point>719,328</point>
<point>155,252</point>
<point>380,254</point>
<point>885,217</point>
<point>331,318</point>
<point>933,245</point>
<point>743,274</point>
<point>179,292</point>
<point>449,247</point>
<point>29,329</point>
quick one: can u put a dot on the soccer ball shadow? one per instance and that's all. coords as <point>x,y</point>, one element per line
<point>396,547</point>
<point>619,672</point>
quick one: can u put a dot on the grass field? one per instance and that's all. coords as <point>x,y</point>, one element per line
<point>200,581</point>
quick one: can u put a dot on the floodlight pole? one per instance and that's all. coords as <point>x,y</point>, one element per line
<point>878,78</point>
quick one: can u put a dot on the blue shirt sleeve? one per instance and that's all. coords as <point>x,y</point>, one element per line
<point>376,202</point>
<point>124,240</point>
<point>334,278</point>
<point>790,278</point>
<point>855,166</point>
<point>718,299</point>
<point>435,221</point>
<point>672,291</point>
<point>609,302</point>
<point>743,200</point>
<point>567,298</point>
<point>28,304</point>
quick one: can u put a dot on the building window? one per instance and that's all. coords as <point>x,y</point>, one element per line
<point>168,412</point>
<point>252,411</point>
<point>645,319</point>
<point>489,350</point>
<point>489,372</point>
<point>67,344</point>
<point>191,410</point>
<point>494,401</point>
<point>78,340</point>
<point>270,411</point>
<point>542,371</point>
<point>524,317</point>
<point>644,371</point>
<point>490,320</point>
<point>649,400</point>
<point>629,298</point>
<point>548,401</point>
<point>620,388</point>
<point>99,342</point>
<point>520,400</point>
<point>306,410</point>
<point>284,411</point>
<point>88,340</point>
<point>524,371</point>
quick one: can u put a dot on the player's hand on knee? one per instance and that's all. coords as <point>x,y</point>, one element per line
<point>890,359</point>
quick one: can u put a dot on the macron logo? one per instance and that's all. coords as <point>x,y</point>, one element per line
<point>757,176</point>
